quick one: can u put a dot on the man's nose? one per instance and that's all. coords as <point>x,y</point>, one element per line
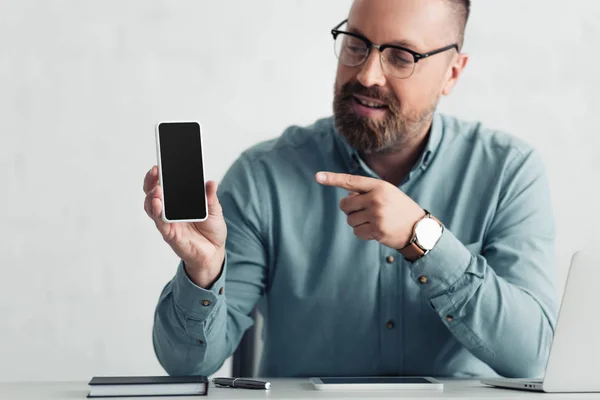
<point>371,73</point>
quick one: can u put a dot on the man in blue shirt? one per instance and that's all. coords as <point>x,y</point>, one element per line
<point>386,240</point>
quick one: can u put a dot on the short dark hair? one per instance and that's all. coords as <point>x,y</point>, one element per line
<point>462,9</point>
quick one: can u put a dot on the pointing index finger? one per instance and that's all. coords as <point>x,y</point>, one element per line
<point>353,183</point>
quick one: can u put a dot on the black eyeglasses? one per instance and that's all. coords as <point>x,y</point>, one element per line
<point>352,49</point>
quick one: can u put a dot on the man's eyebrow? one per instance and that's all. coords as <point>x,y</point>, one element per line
<point>402,43</point>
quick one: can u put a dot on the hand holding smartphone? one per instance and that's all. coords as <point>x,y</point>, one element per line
<point>181,171</point>
<point>186,211</point>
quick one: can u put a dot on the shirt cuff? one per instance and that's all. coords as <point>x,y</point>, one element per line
<point>196,302</point>
<point>441,267</point>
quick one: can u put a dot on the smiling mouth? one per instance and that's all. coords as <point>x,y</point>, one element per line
<point>370,104</point>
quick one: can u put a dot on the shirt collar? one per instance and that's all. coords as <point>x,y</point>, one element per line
<point>354,162</point>
<point>433,143</point>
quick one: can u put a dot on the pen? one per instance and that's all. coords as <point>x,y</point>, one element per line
<point>241,383</point>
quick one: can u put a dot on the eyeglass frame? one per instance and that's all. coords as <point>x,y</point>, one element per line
<point>381,47</point>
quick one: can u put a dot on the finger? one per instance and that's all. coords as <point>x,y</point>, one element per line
<point>154,193</point>
<point>157,212</point>
<point>148,203</point>
<point>363,232</point>
<point>151,179</point>
<point>156,196</point>
<point>354,203</point>
<point>358,218</point>
<point>148,206</point>
<point>353,183</point>
<point>214,207</point>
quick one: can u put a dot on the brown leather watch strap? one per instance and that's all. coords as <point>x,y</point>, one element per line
<point>412,252</point>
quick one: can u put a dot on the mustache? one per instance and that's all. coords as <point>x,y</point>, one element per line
<point>351,88</point>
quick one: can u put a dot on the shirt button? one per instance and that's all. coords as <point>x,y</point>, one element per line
<point>205,303</point>
<point>200,342</point>
<point>222,290</point>
<point>449,318</point>
<point>390,259</point>
<point>423,279</point>
<point>390,324</point>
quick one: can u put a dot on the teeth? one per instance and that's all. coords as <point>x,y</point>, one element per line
<point>370,104</point>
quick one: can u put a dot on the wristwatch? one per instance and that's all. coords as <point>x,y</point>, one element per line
<point>426,234</point>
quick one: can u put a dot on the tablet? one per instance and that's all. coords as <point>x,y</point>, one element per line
<point>377,383</point>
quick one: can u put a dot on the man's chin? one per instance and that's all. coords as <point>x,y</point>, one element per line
<point>364,131</point>
<point>361,138</point>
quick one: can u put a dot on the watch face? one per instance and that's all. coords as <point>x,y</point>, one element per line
<point>428,233</point>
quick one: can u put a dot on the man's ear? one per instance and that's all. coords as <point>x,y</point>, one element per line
<point>456,69</point>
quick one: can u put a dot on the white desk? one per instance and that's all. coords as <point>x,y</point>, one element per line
<point>295,389</point>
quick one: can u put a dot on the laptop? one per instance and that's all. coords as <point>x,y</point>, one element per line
<point>573,361</point>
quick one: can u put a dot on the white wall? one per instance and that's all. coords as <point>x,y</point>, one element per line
<point>83,82</point>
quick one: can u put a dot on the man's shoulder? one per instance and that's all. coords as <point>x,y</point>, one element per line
<point>294,141</point>
<point>477,135</point>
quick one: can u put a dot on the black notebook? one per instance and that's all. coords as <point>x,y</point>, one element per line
<point>138,386</point>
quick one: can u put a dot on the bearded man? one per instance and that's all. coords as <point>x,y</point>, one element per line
<point>388,239</point>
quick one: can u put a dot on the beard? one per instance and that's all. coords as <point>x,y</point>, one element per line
<point>369,135</point>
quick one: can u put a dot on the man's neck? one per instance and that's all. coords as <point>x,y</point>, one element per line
<point>395,165</point>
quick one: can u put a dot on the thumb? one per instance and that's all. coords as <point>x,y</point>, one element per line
<point>214,207</point>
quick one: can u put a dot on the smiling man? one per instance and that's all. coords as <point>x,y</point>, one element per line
<point>386,240</point>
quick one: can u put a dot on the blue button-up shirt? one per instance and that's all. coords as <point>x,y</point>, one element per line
<point>336,305</point>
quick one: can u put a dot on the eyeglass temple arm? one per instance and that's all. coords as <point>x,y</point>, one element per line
<point>340,24</point>
<point>432,53</point>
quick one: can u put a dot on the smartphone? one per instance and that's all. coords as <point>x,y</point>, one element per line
<point>181,171</point>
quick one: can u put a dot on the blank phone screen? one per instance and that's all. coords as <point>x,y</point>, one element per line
<point>182,170</point>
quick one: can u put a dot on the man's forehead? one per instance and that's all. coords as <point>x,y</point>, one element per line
<point>418,23</point>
